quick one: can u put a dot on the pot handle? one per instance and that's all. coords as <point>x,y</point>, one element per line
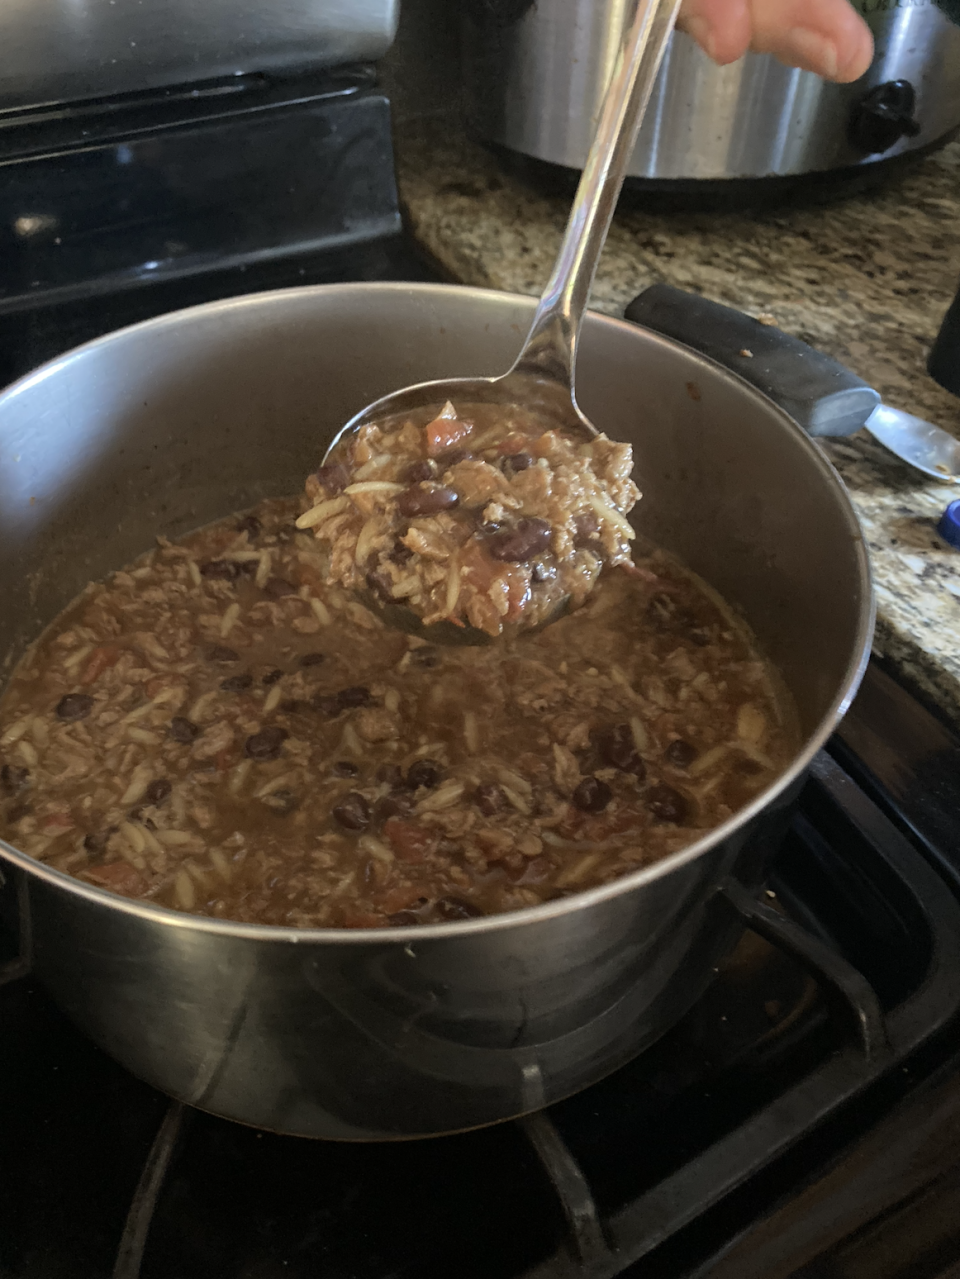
<point>822,396</point>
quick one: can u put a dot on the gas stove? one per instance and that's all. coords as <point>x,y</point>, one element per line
<point>783,1127</point>
<point>802,1119</point>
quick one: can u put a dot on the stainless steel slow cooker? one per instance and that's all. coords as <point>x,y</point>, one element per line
<point>535,72</point>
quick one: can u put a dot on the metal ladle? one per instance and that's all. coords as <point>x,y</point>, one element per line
<point>542,376</point>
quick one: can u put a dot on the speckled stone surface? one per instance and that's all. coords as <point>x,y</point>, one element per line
<point>866,279</point>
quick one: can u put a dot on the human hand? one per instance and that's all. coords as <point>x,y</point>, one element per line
<point>827,37</point>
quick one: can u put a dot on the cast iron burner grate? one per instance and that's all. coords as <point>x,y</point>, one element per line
<point>849,967</point>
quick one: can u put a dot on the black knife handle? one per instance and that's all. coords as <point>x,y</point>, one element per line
<point>822,396</point>
<point>944,363</point>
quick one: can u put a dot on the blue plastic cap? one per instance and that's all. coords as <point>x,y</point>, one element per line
<point>949,526</point>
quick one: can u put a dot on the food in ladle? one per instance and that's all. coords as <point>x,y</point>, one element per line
<point>215,729</point>
<point>477,514</point>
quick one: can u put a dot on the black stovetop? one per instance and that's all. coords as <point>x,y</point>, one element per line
<point>798,1052</point>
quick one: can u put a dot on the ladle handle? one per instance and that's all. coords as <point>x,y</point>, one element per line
<point>551,345</point>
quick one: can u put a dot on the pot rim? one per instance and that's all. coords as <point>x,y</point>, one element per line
<point>403,936</point>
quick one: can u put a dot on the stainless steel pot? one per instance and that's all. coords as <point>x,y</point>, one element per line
<point>327,1033</point>
<point>535,74</point>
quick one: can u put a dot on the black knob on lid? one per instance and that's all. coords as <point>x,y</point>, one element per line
<point>883,116</point>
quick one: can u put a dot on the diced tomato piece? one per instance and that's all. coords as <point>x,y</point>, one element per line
<point>444,432</point>
<point>395,899</point>
<point>480,567</point>
<point>518,591</point>
<point>58,821</point>
<point>411,841</point>
<point>513,444</point>
<point>100,660</point>
<point>543,445</point>
<point>119,877</point>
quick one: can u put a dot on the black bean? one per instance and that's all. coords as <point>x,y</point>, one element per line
<point>425,772</point>
<point>292,705</point>
<point>426,501</point>
<point>334,477</point>
<point>182,729</point>
<point>220,653</point>
<point>542,572</point>
<point>236,683</point>
<point>282,802</point>
<point>96,844</point>
<point>13,778</point>
<point>667,805</point>
<point>266,744</point>
<point>157,791</point>
<point>592,795</point>
<point>617,749</point>
<point>224,570</point>
<point>331,705</point>
<point>700,636</point>
<point>517,462</point>
<point>74,706</point>
<point>399,803</point>
<point>356,695</point>
<point>353,811</point>
<point>404,919</point>
<point>17,811</point>
<point>277,587</point>
<point>345,768</point>
<point>453,908</point>
<point>249,525</point>
<point>680,753</point>
<point>426,657</point>
<point>312,659</point>
<point>271,677</point>
<point>392,774</point>
<point>586,527</point>
<point>400,553</point>
<point>490,799</point>
<point>526,539</point>
<point>416,472</point>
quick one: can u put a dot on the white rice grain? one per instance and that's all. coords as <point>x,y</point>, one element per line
<point>385,487</point>
<point>321,611</point>
<point>76,657</point>
<point>273,699</point>
<point>229,620</point>
<point>175,838</point>
<point>238,775</point>
<point>194,571</point>
<point>140,779</point>
<point>28,753</point>
<point>16,730</point>
<point>322,511</point>
<point>263,569</point>
<point>470,732</point>
<point>134,836</point>
<point>184,893</point>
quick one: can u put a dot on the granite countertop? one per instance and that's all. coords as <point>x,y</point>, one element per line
<point>866,279</point>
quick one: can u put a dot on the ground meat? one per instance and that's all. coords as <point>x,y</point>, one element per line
<point>492,531</point>
<point>207,741</point>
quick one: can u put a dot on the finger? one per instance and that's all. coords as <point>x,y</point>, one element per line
<point>722,28</point>
<point>827,37</point>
